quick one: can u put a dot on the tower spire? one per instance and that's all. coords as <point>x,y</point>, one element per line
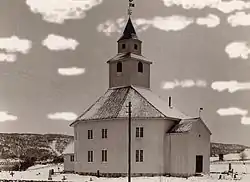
<point>129,31</point>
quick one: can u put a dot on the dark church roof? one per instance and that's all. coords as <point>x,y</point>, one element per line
<point>185,125</point>
<point>129,31</point>
<point>145,104</point>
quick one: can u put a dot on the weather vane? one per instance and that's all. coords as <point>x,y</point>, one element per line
<point>131,5</point>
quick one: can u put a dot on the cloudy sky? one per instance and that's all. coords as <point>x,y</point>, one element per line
<point>53,57</point>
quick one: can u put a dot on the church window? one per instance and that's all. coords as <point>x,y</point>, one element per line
<point>90,134</point>
<point>90,156</point>
<point>140,67</point>
<point>139,132</point>
<point>139,156</point>
<point>72,158</point>
<point>104,133</point>
<point>119,67</point>
<point>123,46</point>
<point>104,155</point>
<point>135,46</point>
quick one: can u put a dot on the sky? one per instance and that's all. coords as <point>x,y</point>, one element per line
<point>53,57</point>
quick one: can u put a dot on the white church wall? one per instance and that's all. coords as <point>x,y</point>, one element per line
<point>199,144</point>
<point>68,163</point>
<point>152,145</point>
<point>176,154</point>
<point>114,143</point>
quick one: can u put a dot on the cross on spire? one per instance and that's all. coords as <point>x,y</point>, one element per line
<point>131,5</point>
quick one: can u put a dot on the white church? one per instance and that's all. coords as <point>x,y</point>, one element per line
<point>164,140</point>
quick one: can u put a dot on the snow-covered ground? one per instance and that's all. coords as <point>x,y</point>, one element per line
<point>236,156</point>
<point>40,172</point>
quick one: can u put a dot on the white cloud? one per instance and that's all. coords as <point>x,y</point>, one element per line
<point>245,120</point>
<point>201,83</point>
<point>4,116</point>
<point>231,86</point>
<point>14,44</point>
<point>68,116</point>
<point>7,57</point>
<point>56,42</point>
<point>223,6</point>
<point>188,4</point>
<point>238,50</point>
<point>57,11</point>
<point>184,84</point>
<point>230,6</point>
<point>108,27</point>
<point>239,19</point>
<point>71,71</point>
<point>232,111</point>
<point>170,23</point>
<point>210,21</point>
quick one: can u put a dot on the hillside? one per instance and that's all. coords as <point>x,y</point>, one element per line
<point>49,146</point>
<point>219,148</point>
<point>37,146</point>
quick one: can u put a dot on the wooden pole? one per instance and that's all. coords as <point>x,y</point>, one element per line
<point>129,142</point>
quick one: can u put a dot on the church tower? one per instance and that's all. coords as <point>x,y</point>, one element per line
<point>129,67</point>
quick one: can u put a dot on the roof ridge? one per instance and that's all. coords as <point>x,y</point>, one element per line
<point>113,88</point>
<point>123,101</point>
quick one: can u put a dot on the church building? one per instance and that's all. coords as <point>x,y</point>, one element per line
<point>164,141</point>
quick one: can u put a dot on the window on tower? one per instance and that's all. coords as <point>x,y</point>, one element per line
<point>140,67</point>
<point>119,67</point>
<point>123,46</point>
<point>135,46</point>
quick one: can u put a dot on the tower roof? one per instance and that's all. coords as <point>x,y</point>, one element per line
<point>129,31</point>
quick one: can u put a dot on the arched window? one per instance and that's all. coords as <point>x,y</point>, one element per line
<point>140,67</point>
<point>119,67</point>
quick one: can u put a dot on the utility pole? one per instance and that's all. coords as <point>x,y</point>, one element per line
<point>129,142</point>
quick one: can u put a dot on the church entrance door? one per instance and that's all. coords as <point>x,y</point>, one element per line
<point>199,164</point>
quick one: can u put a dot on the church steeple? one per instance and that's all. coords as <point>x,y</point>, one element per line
<point>129,31</point>
<point>129,67</point>
<point>129,41</point>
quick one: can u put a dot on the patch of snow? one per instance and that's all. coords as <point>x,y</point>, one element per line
<point>69,149</point>
<point>41,172</point>
<point>53,147</point>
